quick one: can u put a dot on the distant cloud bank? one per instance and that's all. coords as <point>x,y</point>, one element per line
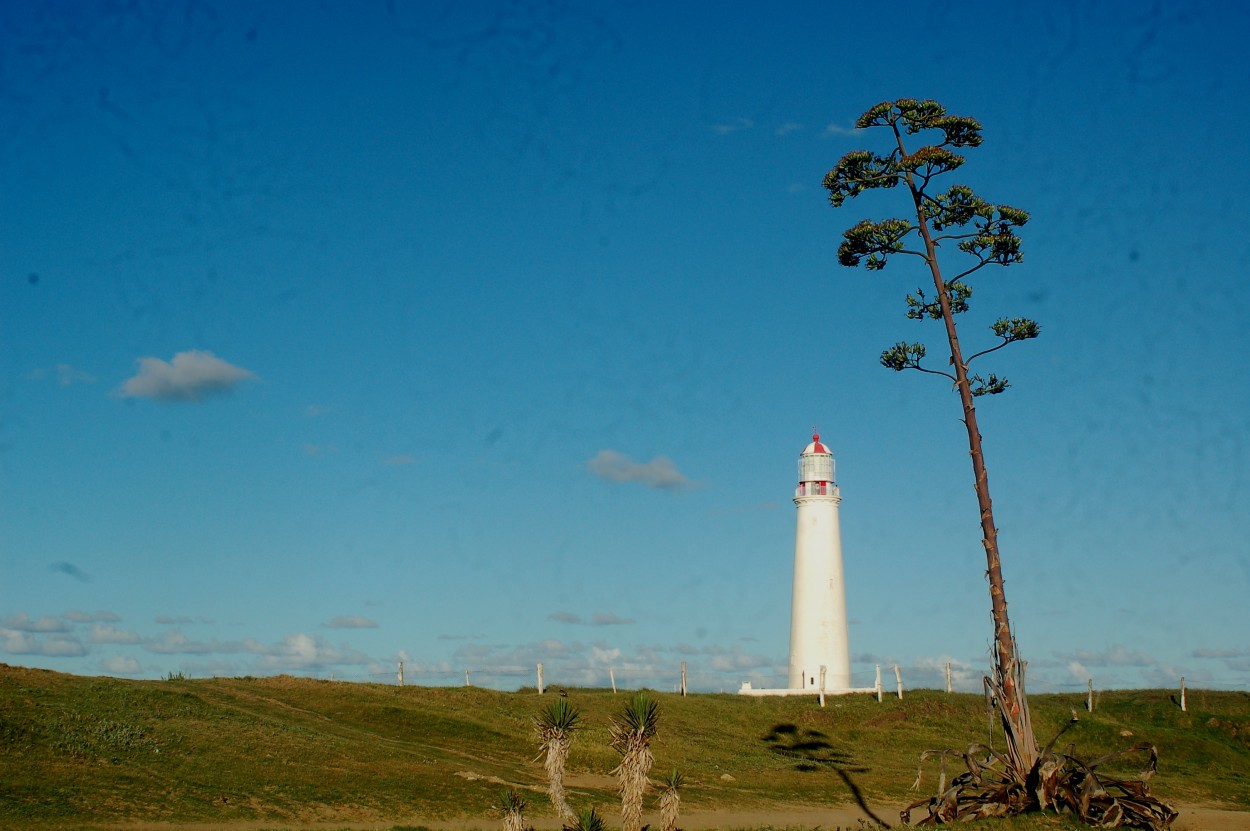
<point>660,472</point>
<point>350,622</point>
<point>192,375</point>
<point>66,375</point>
<point>725,128</point>
<point>98,616</point>
<point>24,623</point>
<point>597,619</point>
<point>120,665</point>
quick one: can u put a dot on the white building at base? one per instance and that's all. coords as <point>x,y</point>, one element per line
<point>820,657</point>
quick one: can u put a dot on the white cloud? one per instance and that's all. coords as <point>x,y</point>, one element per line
<point>1079,672</point>
<point>103,633</point>
<point>99,616</point>
<point>1166,675</point>
<point>294,652</point>
<point>660,472</point>
<point>17,642</point>
<point>120,665</point>
<point>47,623</point>
<point>174,642</point>
<point>1117,655</point>
<point>735,661</point>
<point>838,130</point>
<point>190,376</point>
<point>1220,653</point>
<point>597,619</point>
<point>350,622</point>
<point>300,651</point>
<point>604,656</point>
<point>65,375</point>
<point>788,128</point>
<point>580,663</point>
<point>609,619</point>
<point>733,126</point>
<point>931,671</point>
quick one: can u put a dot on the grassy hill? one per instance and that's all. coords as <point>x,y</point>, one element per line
<point>78,751</point>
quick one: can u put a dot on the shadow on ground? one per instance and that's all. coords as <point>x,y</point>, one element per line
<point>811,751</point>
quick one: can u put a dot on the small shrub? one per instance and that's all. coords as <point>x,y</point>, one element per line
<point>587,820</point>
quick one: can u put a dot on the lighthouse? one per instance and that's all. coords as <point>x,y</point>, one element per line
<point>818,615</point>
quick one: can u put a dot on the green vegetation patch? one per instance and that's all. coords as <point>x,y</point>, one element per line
<point>291,751</point>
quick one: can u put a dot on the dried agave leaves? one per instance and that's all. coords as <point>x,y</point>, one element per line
<point>1059,782</point>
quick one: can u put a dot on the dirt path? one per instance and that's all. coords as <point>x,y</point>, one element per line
<point>1192,818</point>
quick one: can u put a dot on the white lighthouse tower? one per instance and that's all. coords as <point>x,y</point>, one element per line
<point>818,615</point>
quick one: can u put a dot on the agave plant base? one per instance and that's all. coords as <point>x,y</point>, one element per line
<point>1058,782</point>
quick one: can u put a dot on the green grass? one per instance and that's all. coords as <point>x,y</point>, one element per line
<point>90,752</point>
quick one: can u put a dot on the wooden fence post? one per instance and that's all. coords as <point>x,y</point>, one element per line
<point>612,677</point>
<point>948,677</point>
<point>1089,702</point>
<point>466,678</point>
<point>1183,694</point>
<point>540,679</point>
<point>879,683</point>
<point>822,686</point>
<point>899,678</point>
<point>401,673</point>
<point>683,679</point>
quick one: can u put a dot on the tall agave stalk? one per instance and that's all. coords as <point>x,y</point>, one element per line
<point>513,805</point>
<point>670,800</point>
<point>555,726</point>
<point>1024,777</point>
<point>631,737</point>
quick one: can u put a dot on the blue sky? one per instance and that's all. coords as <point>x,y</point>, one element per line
<point>476,335</point>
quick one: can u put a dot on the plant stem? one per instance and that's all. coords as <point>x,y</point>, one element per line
<point>1022,745</point>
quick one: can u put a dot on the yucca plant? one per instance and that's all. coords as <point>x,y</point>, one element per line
<point>587,819</point>
<point>555,726</point>
<point>513,805</point>
<point>631,737</point>
<point>670,800</point>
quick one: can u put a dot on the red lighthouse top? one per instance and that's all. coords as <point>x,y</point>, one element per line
<point>816,446</point>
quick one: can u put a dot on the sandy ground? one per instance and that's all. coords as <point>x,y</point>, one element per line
<point>1192,818</point>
